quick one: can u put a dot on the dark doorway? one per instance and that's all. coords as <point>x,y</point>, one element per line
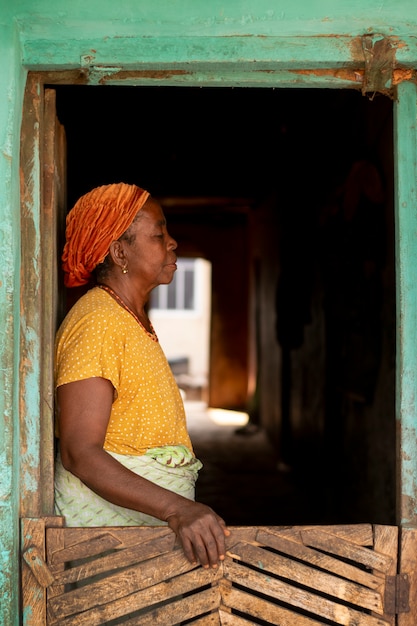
<point>294,191</point>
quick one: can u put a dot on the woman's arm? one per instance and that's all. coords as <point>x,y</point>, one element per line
<point>83,414</point>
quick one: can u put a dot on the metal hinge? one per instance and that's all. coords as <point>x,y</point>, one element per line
<point>397,594</point>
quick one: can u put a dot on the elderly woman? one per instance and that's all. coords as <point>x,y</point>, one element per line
<point>125,457</point>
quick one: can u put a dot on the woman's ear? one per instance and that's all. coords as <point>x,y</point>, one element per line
<point>117,253</point>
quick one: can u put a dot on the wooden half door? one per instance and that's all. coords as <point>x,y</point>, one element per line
<point>286,576</point>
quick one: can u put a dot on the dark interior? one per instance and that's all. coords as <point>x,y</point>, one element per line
<point>289,193</point>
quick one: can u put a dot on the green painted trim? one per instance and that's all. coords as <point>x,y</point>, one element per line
<point>230,78</point>
<point>12,78</point>
<point>250,52</point>
<point>405,121</point>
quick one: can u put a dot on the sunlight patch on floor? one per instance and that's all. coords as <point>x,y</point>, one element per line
<point>225,417</point>
<point>198,413</point>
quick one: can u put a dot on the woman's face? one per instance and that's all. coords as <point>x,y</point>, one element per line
<point>149,249</point>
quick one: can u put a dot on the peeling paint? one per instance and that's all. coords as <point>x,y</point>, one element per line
<point>401,75</point>
<point>354,76</point>
<point>125,75</point>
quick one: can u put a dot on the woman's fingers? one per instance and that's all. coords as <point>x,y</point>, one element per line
<point>202,534</point>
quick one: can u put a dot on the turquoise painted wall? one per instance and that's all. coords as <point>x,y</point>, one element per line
<point>229,42</point>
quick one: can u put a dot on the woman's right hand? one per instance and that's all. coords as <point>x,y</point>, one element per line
<point>201,532</point>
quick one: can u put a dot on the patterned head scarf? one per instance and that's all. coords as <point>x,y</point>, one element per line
<point>98,218</point>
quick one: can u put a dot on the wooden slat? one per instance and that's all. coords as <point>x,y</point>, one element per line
<point>345,549</point>
<point>298,598</point>
<point>33,558</point>
<point>121,558</point>
<point>229,619</point>
<point>31,428</point>
<point>122,583</point>
<point>260,608</point>
<point>51,132</point>
<point>208,620</point>
<point>386,542</point>
<point>360,534</point>
<point>127,535</point>
<point>319,559</point>
<point>308,577</point>
<point>85,549</point>
<point>408,567</point>
<point>243,533</point>
<point>54,542</point>
<point>179,611</point>
<point>162,592</point>
<point>33,593</point>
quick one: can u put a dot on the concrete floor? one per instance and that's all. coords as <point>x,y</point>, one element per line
<point>242,478</point>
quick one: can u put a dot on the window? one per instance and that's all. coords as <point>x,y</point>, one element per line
<point>179,295</point>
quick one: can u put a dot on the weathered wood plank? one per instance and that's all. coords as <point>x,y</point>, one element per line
<point>91,546</point>
<point>120,558</point>
<point>33,558</point>
<point>49,215</point>
<point>298,598</point>
<point>311,578</point>
<point>386,542</point>
<point>319,559</point>
<point>208,620</point>
<point>31,434</point>
<point>179,611</point>
<point>259,608</point>
<point>408,567</point>
<point>54,542</point>
<point>127,535</point>
<point>242,533</point>
<point>141,600</point>
<point>33,593</point>
<point>343,548</point>
<point>360,534</point>
<point>229,619</point>
<point>121,583</point>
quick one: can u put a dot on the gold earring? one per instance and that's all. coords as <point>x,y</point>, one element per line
<point>124,270</point>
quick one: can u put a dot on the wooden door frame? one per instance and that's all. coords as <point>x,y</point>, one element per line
<point>36,404</point>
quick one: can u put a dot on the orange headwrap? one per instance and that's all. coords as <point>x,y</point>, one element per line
<point>98,218</point>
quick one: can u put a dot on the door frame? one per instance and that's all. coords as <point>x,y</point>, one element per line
<point>35,412</point>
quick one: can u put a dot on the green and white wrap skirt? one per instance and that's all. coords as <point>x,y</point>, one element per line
<point>171,467</point>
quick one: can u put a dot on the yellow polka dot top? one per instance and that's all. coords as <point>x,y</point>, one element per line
<point>98,338</point>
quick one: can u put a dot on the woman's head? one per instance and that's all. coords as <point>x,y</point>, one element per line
<point>144,256</point>
<point>99,217</point>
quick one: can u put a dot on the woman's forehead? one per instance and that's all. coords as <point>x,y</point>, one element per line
<point>152,214</point>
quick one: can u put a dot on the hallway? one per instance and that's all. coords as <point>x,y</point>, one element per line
<point>242,479</point>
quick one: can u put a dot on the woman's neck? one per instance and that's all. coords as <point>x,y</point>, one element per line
<point>135,305</point>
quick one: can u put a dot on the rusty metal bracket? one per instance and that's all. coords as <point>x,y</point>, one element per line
<point>397,594</point>
<point>379,53</point>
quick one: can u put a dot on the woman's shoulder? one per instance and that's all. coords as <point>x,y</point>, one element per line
<point>91,300</point>
<point>94,307</point>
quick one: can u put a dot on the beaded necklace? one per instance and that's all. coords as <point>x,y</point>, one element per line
<point>123,304</point>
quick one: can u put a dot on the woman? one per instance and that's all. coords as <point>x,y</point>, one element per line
<point>125,457</point>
